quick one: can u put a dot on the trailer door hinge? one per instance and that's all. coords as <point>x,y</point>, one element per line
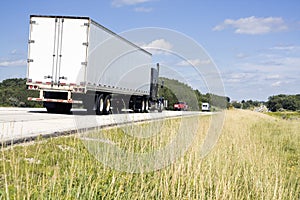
<point>32,22</point>
<point>84,63</point>
<point>29,60</point>
<point>63,77</point>
<point>45,77</point>
<point>86,24</point>
<point>85,44</point>
<point>30,41</point>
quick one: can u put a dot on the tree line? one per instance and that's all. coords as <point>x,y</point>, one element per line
<point>175,91</point>
<point>281,102</point>
<point>13,93</point>
<point>284,102</point>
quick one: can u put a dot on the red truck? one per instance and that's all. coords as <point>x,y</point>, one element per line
<point>180,106</point>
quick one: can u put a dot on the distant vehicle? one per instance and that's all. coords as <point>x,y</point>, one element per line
<point>205,107</point>
<point>180,106</point>
<point>67,64</point>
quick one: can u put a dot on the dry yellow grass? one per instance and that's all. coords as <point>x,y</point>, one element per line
<point>256,157</point>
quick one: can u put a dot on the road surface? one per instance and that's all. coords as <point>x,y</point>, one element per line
<point>21,124</point>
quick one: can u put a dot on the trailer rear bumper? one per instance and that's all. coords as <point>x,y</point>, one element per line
<point>55,100</point>
<point>56,96</point>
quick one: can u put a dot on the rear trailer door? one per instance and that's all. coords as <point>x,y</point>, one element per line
<point>57,50</point>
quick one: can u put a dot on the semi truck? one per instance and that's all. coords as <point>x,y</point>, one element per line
<point>75,60</point>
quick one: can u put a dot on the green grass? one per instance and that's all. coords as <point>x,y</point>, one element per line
<point>256,157</point>
<point>286,115</point>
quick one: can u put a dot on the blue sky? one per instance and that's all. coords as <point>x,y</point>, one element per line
<point>255,44</point>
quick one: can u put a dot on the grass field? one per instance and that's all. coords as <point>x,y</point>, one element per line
<point>257,157</point>
<point>286,115</point>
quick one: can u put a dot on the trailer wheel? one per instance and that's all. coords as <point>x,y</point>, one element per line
<point>142,106</point>
<point>99,105</point>
<point>160,107</point>
<point>146,107</point>
<point>107,104</point>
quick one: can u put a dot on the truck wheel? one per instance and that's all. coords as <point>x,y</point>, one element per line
<point>107,104</point>
<point>146,109</point>
<point>142,106</point>
<point>160,107</point>
<point>99,105</point>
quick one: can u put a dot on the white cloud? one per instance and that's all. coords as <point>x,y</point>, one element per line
<point>12,63</point>
<point>241,55</point>
<point>14,51</point>
<point>254,25</point>
<point>271,71</point>
<point>158,46</point>
<point>272,63</point>
<point>194,62</point>
<point>272,77</point>
<point>276,84</point>
<point>288,62</point>
<point>238,77</point>
<point>120,3</point>
<point>143,9</point>
<point>285,47</point>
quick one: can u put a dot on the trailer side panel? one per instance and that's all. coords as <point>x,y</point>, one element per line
<point>116,65</point>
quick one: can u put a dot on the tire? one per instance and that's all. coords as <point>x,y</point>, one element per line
<point>142,106</point>
<point>160,107</point>
<point>107,105</point>
<point>99,105</point>
<point>146,109</point>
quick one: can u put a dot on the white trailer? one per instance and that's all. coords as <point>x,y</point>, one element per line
<point>75,60</point>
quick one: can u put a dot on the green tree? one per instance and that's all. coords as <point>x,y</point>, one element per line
<point>175,91</point>
<point>236,104</point>
<point>287,102</point>
<point>13,92</point>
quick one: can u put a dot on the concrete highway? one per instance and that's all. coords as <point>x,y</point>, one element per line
<point>21,124</point>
